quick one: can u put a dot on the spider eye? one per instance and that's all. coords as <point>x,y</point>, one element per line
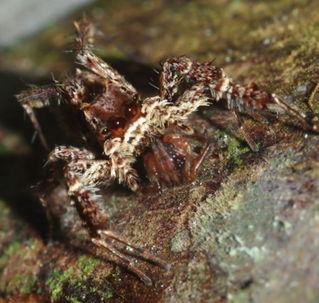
<point>104,131</point>
<point>135,97</point>
<point>116,123</point>
<point>131,111</point>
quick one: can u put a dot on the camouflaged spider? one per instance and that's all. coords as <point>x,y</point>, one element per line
<point>117,126</point>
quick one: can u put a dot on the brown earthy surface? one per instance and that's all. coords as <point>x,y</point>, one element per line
<point>246,231</point>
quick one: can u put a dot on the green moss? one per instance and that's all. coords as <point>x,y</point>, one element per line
<point>13,248</point>
<point>88,264</point>
<point>77,279</point>
<point>73,300</point>
<point>108,294</point>
<point>235,150</point>
<point>56,281</point>
<point>18,278</point>
<point>22,283</point>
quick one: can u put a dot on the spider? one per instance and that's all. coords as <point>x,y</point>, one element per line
<point>116,126</point>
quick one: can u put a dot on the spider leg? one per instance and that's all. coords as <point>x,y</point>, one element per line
<point>75,89</point>
<point>89,60</point>
<point>39,97</point>
<point>188,103</point>
<point>69,153</point>
<point>181,154</point>
<point>152,171</point>
<point>312,97</point>
<point>165,164</point>
<point>199,160</point>
<point>82,190</point>
<point>51,179</point>
<point>172,161</point>
<point>249,99</point>
<point>170,76</point>
<point>307,124</point>
<point>209,78</point>
<point>45,187</point>
<point>191,163</point>
<point>242,130</point>
<point>107,235</point>
<point>176,69</point>
<point>243,99</point>
<point>139,251</point>
<point>121,158</point>
<point>128,262</point>
<point>84,176</point>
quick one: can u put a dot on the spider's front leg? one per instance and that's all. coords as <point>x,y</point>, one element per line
<point>84,176</point>
<point>176,69</point>
<point>213,82</point>
<point>52,179</point>
<point>39,97</point>
<point>86,58</point>
<point>239,99</point>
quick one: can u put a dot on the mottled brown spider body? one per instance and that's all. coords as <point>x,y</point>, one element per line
<point>121,127</point>
<point>107,111</point>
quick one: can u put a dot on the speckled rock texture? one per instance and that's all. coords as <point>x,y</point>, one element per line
<point>247,230</point>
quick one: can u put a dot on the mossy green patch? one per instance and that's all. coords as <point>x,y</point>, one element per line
<point>77,279</point>
<point>13,248</point>
<point>73,300</point>
<point>56,281</point>
<point>88,264</point>
<point>236,150</point>
<point>17,278</point>
<point>108,294</point>
<point>22,283</point>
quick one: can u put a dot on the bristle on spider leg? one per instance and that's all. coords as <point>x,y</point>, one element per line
<point>127,261</point>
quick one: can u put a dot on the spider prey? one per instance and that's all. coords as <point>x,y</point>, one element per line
<point>120,126</point>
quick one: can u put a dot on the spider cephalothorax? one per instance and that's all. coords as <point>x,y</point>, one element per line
<point>121,126</point>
